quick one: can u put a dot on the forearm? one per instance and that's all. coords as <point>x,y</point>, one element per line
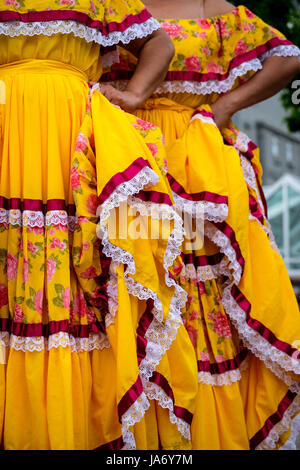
<point>277,72</point>
<point>153,61</point>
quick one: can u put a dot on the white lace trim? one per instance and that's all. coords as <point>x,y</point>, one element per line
<point>226,378</point>
<point>48,28</point>
<point>271,440</point>
<point>39,343</point>
<point>201,88</point>
<point>37,218</point>
<point>159,335</point>
<point>201,210</point>
<point>206,273</point>
<point>274,359</point>
<point>295,431</point>
<point>205,119</point>
<point>133,415</point>
<point>282,51</point>
<point>154,392</point>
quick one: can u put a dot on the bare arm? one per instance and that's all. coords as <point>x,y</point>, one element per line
<point>276,73</point>
<point>154,54</point>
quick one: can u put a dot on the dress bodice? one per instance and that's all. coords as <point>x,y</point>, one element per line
<point>212,56</point>
<point>80,33</point>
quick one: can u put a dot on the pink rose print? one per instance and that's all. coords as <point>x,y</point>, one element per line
<point>165,167</point>
<point>206,50</point>
<point>172,29</point>
<point>92,204</point>
<point>203,23</point>
<point>19,314</point>
<point>192,63</point>
<point>79,304</point>
<point>75,179</point>
<point>89,273</point>
<point>201,288</point>
<point>194,315</point>
<point>86,245</point>
<point>67,298</point>
<point>241,47</point>
<point>110,10</point>
<point>201,35</point>
<point>25,270</point>
<point>51,231</point>
<point>31,247</point>
<point>71,3</point>
<point>223,29</point>
<point>13,3</point>
<point>91,317</point>
<point>177,269</point>
<point>214,68</point>
<point>220,359</point>
<point>81,143</point>
<point>220,325</point>
<point>192,334</point>
<point>92,7</point>
<point>204,356</point>
<point>146,126</point>
<point>3,295</point>
<point>57,243</point>
<point>38,301</point>
<point>249,14</point>
<point>12,266</point>
<point>248,27</point>
<point>152,148</point>
<point>51,267</point>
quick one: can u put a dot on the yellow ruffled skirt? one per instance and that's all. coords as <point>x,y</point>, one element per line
<point>93,351</point>
<point>241,313</point>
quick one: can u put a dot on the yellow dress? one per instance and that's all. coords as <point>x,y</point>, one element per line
<point>241,314</point>
<point>93,350</point>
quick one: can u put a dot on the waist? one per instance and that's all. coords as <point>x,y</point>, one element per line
<point>165,104</point>
<point>40,66</point>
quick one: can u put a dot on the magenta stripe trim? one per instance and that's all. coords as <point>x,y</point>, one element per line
<point>203,112</point>
<point>201,196</point>
<point>122,177</point>
<point>80,17</point>
<point>229,233</point>
<point>155,197</point>
<point>130,397</point>
<point>117,444</point>
<point>156,377</point>
<point>197,261</point>
<point>274,419</point>
<point>40,329</point>
<point>181,75</point>
<point>180,412</point>
<point>255,210</point>
<point>258,326</point>
<point>36,205</point>
<point>222,367</point>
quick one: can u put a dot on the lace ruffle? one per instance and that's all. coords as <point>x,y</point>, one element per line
<point>48,28</point>
<point>203,210</point>
<point>39,343</point>
<point>282,51</point>
<point>159,335</point>
<point>37,218</point>
<point>133,415</point>
<point>288,420</point>
<point>206,273</point>
<point>154,392</point>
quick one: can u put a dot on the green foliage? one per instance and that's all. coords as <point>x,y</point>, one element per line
<point>283,15</point>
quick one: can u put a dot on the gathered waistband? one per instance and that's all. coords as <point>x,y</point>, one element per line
<point>41,66</point>
<point>164,104</point>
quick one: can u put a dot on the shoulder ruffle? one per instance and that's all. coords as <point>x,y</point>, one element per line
<point>215,55</point>
<point>106,22</point>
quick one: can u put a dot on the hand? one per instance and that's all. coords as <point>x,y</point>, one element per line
<point>126,100</point>
<point>222,112</point>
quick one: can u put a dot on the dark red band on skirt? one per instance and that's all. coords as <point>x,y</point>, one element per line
<point>222,367</point>
<point>199,261</point>
<point>53,327</point>
<point>274,419</point>
<point>36,205</point>
<point>255,210</point>
<point>203,112</point>
<point>181,75</point>
<point>155,197</point>
<point>130,397</point>
<point>229,233</point>
<point>80,17</point>
<point>122,177</point>
<point>258,326</point>
<point>117,444</point>
<point>201,196</point>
